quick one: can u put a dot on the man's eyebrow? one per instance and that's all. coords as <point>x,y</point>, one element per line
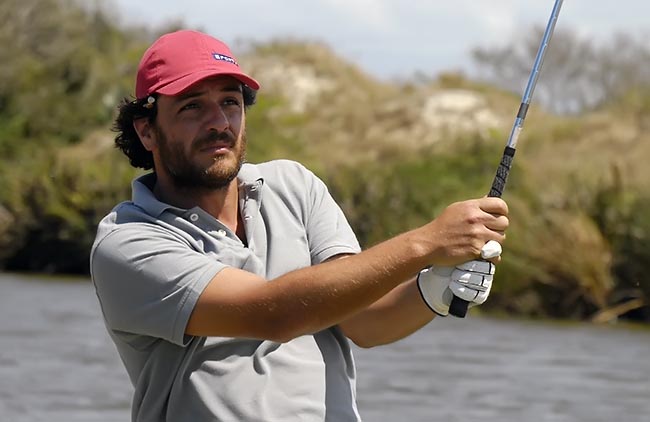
<point>188,95</point>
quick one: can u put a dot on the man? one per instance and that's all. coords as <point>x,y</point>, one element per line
<point>231,289</point>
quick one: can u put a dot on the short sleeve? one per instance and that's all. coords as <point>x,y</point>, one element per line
<point>148,280</point>
<point>328,230</point>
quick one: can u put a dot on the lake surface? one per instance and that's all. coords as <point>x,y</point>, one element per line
<point>57,364</point>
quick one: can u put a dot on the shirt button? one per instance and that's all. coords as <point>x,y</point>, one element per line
<point>194,217</point>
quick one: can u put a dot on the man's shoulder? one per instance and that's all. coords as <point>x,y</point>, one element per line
<point>126,212</point>
<point>280,167</point>
<point>281,175</point>
<point>124,219</point>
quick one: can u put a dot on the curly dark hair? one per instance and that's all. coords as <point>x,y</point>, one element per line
<point>127,138</point>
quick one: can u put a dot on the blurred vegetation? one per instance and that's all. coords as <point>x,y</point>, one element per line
<point>393,154</point>
<point>578,73</point>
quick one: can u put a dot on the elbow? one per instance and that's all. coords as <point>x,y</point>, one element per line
<point>366,343</point>
<point>362,344</point>
<point>361,338</point>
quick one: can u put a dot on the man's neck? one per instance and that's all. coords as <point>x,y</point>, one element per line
<point>222,204</point>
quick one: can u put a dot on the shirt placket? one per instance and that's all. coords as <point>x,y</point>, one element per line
<point>253,223</point>
<point>209,225</point>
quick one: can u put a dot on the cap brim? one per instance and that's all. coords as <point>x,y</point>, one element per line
<point>185,82</point>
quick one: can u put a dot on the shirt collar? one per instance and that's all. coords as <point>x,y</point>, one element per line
<point>250,178</point>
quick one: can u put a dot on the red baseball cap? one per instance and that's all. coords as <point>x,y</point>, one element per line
<point>177,60</point>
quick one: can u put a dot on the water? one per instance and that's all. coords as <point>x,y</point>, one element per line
<point>57,364</point>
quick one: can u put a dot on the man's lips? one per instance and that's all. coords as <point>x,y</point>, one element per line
<point>216,146</point>
<point>214,142</point>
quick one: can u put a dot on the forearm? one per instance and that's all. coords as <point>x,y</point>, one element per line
<point>398,314</point>
<point>240,304</point>
<point>364,277</point>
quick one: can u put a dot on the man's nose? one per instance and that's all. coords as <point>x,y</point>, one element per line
<point>218,119</point>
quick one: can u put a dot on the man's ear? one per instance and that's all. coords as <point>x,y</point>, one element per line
<point>146,132</point>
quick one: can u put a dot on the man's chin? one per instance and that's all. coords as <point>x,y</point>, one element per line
<point>221,174</point>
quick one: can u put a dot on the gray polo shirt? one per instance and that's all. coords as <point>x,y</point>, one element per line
<point>151,261</point>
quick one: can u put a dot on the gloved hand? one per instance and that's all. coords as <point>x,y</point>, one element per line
<point>470,281</point>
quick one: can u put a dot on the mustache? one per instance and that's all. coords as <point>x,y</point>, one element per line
<point>214,136</point>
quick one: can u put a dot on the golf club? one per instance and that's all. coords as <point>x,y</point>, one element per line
<point>458,306</point>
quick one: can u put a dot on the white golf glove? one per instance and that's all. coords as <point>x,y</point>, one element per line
<point>470,281</point>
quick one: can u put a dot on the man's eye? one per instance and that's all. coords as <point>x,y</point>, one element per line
<point>189,106</point>
<point>231,102</point>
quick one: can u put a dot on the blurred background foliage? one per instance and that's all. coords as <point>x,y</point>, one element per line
<point>394,154</point>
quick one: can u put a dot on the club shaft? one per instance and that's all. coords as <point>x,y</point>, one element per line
<point>458,306</point>
<point>534,75</point>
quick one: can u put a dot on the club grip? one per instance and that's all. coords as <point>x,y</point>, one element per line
<point>458,307</point>
<point>500,179</point>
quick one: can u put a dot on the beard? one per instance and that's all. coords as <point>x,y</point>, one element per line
<point>189,175</point>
